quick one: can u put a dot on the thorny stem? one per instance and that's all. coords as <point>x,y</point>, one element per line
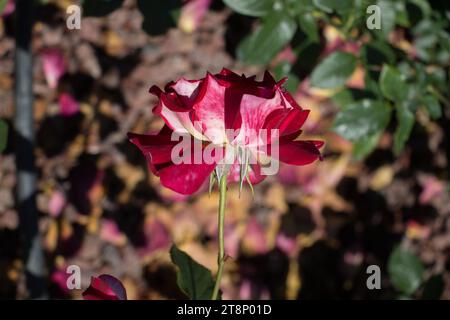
<point>221,256</point>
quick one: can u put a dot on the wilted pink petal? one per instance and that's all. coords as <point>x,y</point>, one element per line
<point>192,14</point>
<point>68,106</point>
<point>157,236</point>
<point>245,291</point>
<point>59,277</point>
<point>432,188</point>
<point>54,66</point>
<point>287,54</point>
<point>105,287</point>
<point>56,203</point>
<point>286,244</point>
<point>110,232</point>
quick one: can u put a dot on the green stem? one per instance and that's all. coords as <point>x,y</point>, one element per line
<point>221,256</point>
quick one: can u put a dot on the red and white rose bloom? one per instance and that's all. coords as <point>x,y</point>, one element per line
<point>236,120</point>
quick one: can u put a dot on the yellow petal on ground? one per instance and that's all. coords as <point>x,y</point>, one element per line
<point>382,178</point>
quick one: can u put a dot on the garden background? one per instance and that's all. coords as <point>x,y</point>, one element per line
<point>378,98</point>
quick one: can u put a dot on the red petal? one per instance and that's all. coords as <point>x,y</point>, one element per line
<point>187,91</point>
<point>268,80</point>
<point>290,101</point>
<point>185,178</point>
<point>254,112</point>
<point>299,152</point>
<point>209,109</point>
<point>287,121</point>
<point>105,287</point>
<point>156,147</point>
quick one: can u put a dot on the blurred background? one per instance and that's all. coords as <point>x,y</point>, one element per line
<point>378,95</point>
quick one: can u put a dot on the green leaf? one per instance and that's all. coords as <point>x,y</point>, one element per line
<point>159,16</point>
<point>392,85</point>
<point>405,271</point>
<point>3,135</point>
<point>433,107</point>
<point>333,5</point>
<point>405,123</point>
<point>402,18</point>
<point>343,98</point>
<point>366,145</point>
<point>308,25</point>
<point>377,53</point>
<point>417,10</point>
<point>298,6</point>
<point>254,8</point>
<point>361,119</point>
<point>99,8</point>
<point>371,80</point>
<point>334,70</point>
<point>346,97</point>
<point>434,288</point>
<point>262,45</point>
<point>192,278</point>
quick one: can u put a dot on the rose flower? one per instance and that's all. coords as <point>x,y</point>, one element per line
<point>259,115</point>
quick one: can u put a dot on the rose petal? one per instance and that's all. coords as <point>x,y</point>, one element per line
<point>287,121</point>
<point>56,203</point>
<point>185,178</point>
<point>192,14</point>
<point>156,147</point>
<point>175,109</point>
<point>209,110</point>
<point>105,287</point>
<point>254,111</point>
<point>300,152</point>
<point>68,106</point>
<point>54,66</point>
